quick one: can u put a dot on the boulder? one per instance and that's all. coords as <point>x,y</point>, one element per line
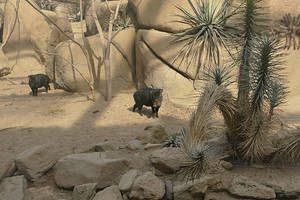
<point>110,193</point>
<point>127,180</point>
<point>244,187</point>
<point>84,192</point>
<point>168,160</point>
<point>148,186</point>
<point>157,14</point>
<point>36,161</point>
<point>13,188</point>
<point>151,71</point>
<point>78,169</point>
<point>68,77</point>
<point>44,193</point>
<point>155,133</point>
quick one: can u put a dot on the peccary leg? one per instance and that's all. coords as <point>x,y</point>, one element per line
<point>157,108</point>
<point>49,87</point>
<point>32,89</point>
<point>134,107</point>
<point>153,111</point>
<point>46,87</point>
<point>36,91</point>
<point>140,110</point>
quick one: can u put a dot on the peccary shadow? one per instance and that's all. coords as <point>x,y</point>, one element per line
<point>146,111</point>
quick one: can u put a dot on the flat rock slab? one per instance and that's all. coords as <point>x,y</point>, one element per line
<point>244,187</point>
<point>78,169</point>
<point>34,162</point>
<point>13,188</point>
<point>110,193</point>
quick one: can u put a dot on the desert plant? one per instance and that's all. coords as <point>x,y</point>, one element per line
<point>260,81</point>
<point>175,140</point>
<point>207,33</point>
<point>288,27</point>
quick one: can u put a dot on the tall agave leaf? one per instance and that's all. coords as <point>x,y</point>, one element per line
<point>207,32</point>
<point>266,66</point>
<point>251,22</point>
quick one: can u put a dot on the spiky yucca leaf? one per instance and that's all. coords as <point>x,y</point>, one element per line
<point>289,152</point>
<point>266,67</point>
<point>207,32</point>
<point>220,75</point>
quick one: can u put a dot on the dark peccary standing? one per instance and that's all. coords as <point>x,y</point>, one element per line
<point>148,97</point>
<point>37,81</point>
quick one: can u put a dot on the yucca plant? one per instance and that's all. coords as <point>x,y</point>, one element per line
<point>260,82</point>
<point>207,33</point>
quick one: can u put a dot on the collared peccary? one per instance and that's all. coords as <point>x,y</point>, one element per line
<point>148,97</point>
<point>37,81</point>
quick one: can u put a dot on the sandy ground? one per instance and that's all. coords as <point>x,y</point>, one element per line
<point>73,124</point>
